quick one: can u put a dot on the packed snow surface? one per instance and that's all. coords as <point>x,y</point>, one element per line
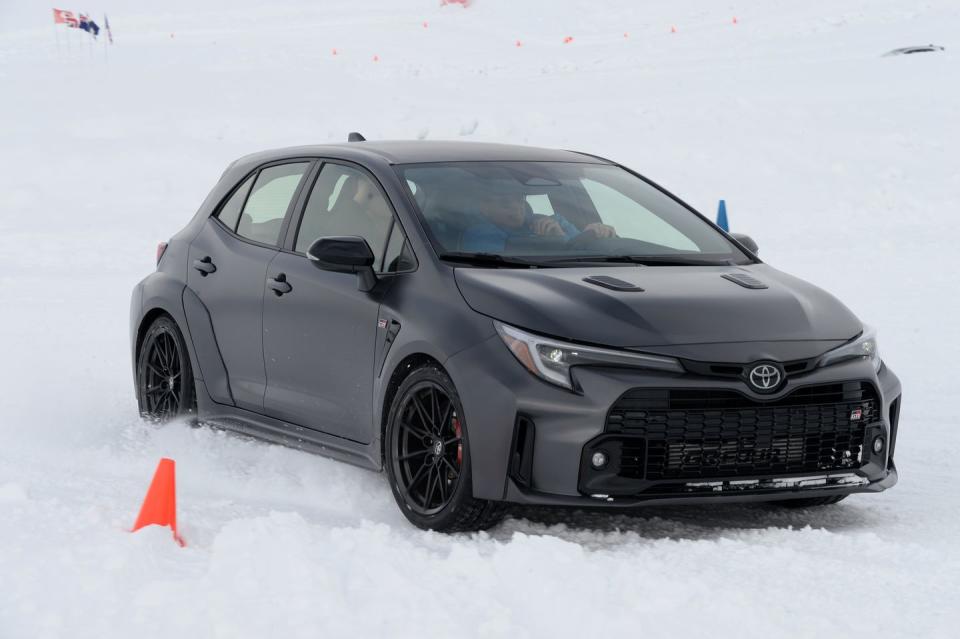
<point>842,163</point>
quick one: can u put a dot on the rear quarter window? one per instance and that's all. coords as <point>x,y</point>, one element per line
<point>230,211</point>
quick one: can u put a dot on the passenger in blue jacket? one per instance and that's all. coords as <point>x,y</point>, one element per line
<point>506,216</point>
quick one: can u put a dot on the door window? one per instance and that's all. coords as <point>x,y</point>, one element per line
<point>346,201</point>
<point>269,200</point>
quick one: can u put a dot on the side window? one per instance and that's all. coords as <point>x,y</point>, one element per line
<point>269,199</point>
<point>230,212</point>
<point>632,219</point>
<point>345,201</point>
<point>398,257</point>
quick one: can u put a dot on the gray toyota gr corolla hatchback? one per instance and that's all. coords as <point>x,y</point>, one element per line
<point>497,324</point>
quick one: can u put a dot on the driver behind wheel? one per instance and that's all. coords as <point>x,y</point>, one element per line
<point>507,215</point>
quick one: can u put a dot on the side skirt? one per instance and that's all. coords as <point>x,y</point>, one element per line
<point>291,435</point>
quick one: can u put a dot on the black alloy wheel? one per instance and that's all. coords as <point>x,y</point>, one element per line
<point>428,459</point>
<point>164,378</point>
<point>429,447</point>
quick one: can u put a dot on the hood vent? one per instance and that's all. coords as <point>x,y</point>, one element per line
<point>744,280</point>
<point>613,283</point>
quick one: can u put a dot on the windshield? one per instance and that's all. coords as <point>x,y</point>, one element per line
<point>554,212</point>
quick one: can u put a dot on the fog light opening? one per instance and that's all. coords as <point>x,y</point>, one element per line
<point>598,460</point>
<point>878,444</point>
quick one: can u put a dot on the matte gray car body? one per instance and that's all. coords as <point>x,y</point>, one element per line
<point>352,347</point>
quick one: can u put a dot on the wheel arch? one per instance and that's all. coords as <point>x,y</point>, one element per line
<point>146,320</point>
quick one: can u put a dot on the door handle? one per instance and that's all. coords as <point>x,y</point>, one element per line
<point>279,284</point>
<point>205,265</point>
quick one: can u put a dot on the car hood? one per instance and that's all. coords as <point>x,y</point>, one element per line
<point>685,311</point>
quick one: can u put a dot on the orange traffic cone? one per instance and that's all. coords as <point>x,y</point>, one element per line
<point>160,504</point>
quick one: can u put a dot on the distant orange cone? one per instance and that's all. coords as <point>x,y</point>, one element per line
<point>160,504</point>
<point>735,19</point>
<point>673,29</point>
<point>519,44</point>
<point>568,40</point>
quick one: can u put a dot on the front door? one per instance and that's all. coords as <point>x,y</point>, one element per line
<point>227,267</point>
<point>320,331</point>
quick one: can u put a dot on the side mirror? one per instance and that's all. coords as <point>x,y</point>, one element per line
<point>747,242</point>
<point>347,254</point>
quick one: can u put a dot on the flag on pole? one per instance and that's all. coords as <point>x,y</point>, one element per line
<point>65,17</point>
<point>106,25</point>
<point>89,25</point>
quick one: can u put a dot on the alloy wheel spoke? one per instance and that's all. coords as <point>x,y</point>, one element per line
<point>435,409</point>
<point>412,455</point>
<point>427,423</point>
<point>442,483</point>
<point>157,356</point>
<point>174,358</point>
<point>167,351</point>
<point>416,478</point>
<point>453,469</point>
<point>431,486</point>
<point>413,429</point>
<point>445,419</point>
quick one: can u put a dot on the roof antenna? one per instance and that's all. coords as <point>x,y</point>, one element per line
<point>355,137</point>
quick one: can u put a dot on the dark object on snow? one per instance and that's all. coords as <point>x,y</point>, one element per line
<point>928,48</point>
<point>355,137</point>
<point>465,317</point>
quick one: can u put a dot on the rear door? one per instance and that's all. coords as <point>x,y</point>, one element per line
<point>320,336</point>
<point>227,269</point>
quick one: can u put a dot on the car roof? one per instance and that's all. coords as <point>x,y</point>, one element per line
<point>421,151</point>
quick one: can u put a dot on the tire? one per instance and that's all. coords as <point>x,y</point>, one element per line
<point>808,502</point>
<point>427,457</point>
<point>165,387</point>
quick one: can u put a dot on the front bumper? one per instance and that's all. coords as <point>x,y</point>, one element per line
<point>502,403</point>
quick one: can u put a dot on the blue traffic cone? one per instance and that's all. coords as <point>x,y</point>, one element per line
<point>722,216</point>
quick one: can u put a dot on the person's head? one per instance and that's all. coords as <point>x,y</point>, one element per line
<point>504,207</point>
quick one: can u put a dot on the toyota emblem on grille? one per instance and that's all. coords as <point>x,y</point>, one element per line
<point>765,377</point>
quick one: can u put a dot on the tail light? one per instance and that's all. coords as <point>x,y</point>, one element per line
<point>161,249</point>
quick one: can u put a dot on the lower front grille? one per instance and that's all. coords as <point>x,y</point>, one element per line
<point>694,434</point>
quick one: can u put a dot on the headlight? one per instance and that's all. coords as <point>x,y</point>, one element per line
<point>551,359</point>
<point>864,347</point>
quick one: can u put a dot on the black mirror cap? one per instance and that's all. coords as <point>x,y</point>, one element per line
<point>345,254</point>
<point>747,242</point>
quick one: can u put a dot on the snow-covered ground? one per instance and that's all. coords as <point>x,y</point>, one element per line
<point>843,164</point>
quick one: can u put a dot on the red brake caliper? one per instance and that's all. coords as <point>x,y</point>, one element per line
<point>459,432</point>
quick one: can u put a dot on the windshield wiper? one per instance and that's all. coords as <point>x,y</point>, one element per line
<point>645,260</point>
<point>490,259</point>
